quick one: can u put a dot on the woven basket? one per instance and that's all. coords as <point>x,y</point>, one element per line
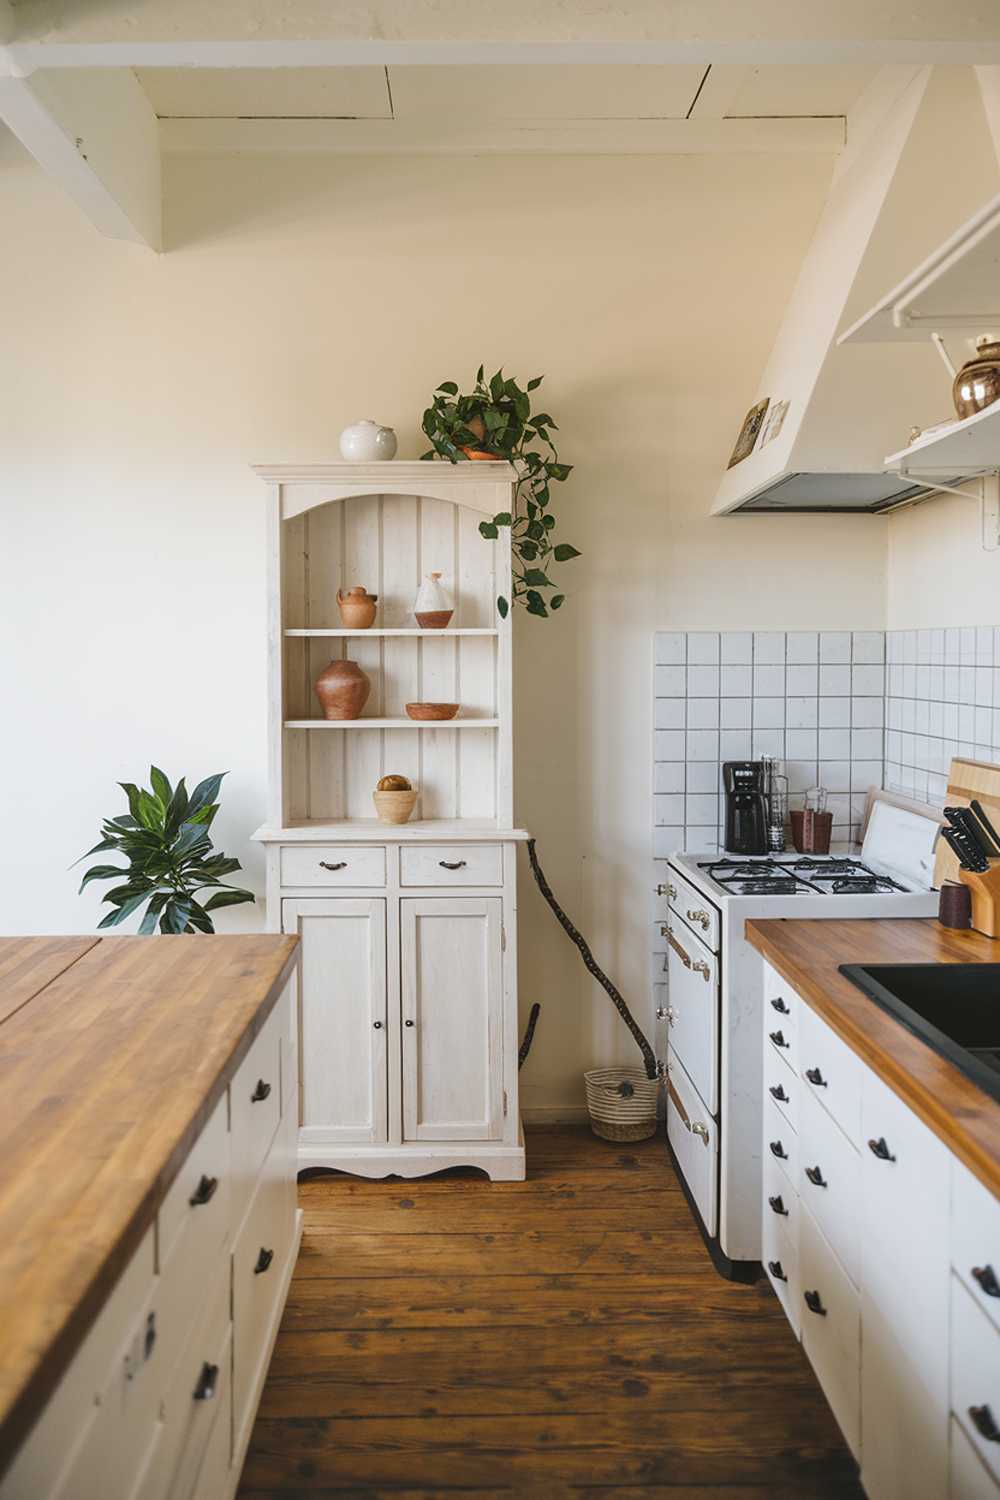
<point>618,1118</point>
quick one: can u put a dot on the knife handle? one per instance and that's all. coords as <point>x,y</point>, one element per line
<point>991,833</point>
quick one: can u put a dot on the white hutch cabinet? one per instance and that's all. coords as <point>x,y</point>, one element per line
<point>409,1029</point>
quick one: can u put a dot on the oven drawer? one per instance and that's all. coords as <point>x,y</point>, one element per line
<point>781,1144</point>
<point>830,1182</point>
<point>694,1136</point>
<point>328,864</point>
<point>694,910</point>
<point>693,1010</point>
<point>831,1072</point>
<point>831,1328</point>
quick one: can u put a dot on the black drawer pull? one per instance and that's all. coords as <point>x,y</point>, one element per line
<point>880,1148</point>
<point>814,1302</point>
<point>780,1006</point>
<point>816,1177</point>
<point>815,1076</point>
<point>204,1192</point>
<point>778,1205</point>
<point>264,1259</point>
<point>777,1091</point>
<point>409,1023</point>
<point>149,1339</point>
<point>778,1038</point>
<point>341,864</point>
<point>985,1423</point>
<point>446,864</point>
<point>260,1092</point>
<point>774,1266</point>
<point>778,1150</point>
<point>987,1278</point>
<point>207,1382</point>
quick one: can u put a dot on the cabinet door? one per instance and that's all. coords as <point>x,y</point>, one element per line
<point>452,1019</point>
<point>344,1020</point>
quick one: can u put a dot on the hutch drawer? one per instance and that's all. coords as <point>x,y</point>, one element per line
<point>330,864</point>
<point>451,864</point>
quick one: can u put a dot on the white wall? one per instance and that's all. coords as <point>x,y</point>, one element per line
<point>297,295</point>
<point>939,572</point>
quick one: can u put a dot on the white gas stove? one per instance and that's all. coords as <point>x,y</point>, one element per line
<point>714,1064</point>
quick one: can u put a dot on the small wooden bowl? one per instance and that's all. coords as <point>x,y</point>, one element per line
<point>394,807</point>
<point>432,710</point>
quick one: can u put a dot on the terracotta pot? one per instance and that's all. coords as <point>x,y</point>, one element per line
<point>977,384</point>
<point>432,608</point>
<point>342,688</point>
<point>432,710</point>
<point>357,608</point>
<point>482,455</point>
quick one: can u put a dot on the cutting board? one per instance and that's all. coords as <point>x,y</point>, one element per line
<point>968,779</point>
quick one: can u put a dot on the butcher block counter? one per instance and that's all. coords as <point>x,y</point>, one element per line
<point>809,954</point>
<point>126,1069</point>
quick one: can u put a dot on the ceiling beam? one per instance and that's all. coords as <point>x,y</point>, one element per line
<point>94,132</point>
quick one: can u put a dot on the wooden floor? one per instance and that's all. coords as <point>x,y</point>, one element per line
<point>549,1338</point>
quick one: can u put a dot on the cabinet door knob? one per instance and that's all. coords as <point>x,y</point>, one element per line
<point>816,1177</point>
<point>880,1148</point>
<point>264,1259</point>
<point>204,1192</point>
<point>377,1025</point>
<point>340,864</point>
<point>778,1205</point>
<point>777,1091</point>
<point>447,864</point>
<point>409,1023</point>
<point>987,1278</point>
<point>777,1149</point>
<point>778,1038</point>
<point>260,1092</point>
<point>774,1266</point>
<point>814,1302</point>
<point>780,1006</point>
<point>815,1076</point>
<point>985,1423</point>
<point>207,1382</point>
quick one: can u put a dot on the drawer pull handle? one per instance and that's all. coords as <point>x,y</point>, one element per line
<point>778,1150</point>
<point>204,1192</point>
<point>816,1177</point>
<point>208,1381</point>
<point>778,1206</point>
<point>377,1025</point>
<point>702,917</point>
<point>264,1259</point>
<point>987,1278</point>
<point>777,1091</point>
<point>697,1128</point>
<point>774,1266</point>
<point>780,1006</point>
<point>672,891</point>
<point>150,1336</point>
<point>814,1302</point>
<point>340,864</point>
<point>880,1148</point>
<point>447,864</point>
<point>701,1131</point>
<point>778,1038</point>
<point>409,1023</point>
<point>985,1423</point>
<point>697,966</point>
<point>260,1092</point>
<point>815,1076</point>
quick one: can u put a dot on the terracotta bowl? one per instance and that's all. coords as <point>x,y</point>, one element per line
<point>432,710</point>
<point>394,807</point>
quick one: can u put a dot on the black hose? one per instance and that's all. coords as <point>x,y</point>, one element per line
<point>529,1036</point>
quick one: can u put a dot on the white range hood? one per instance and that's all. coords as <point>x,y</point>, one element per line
<point>920,158</point>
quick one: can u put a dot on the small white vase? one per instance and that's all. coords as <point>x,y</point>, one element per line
<point>432,608</point>
<point>367,443</point>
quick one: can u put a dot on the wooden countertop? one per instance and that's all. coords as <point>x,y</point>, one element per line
<point>113,1053</point>
<point>808,955</point>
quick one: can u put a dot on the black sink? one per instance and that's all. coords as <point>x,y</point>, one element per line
<point>954,1008</point>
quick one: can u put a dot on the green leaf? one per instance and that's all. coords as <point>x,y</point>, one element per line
<point>548,522</point>
<point>496,385</point>
<point>503,518</point>
<point>177,811</point>
<point>479,375</point>
<point>535,383</point>
<point>115,917</point>
<point>502,607</point>
<point>528,550</point>
<point>101,872</point>
<point>536,606</point>
<point>150,811</point>
<point>488,530</point>
<point>557,600</point>
<point>564,552</point>
<point>132,793</point>
<point>449,387</point>
<point>559,471</point>
<point>229,897</point>
<point>148,923</point>
<point>206,791</point>
<point>536,577</point>
<point>161,786</point>
<point>100,848</point>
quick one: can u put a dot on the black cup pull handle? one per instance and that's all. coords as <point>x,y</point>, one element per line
<point>778,1150</point>
<point>340,864</point>
<point>816,1177</point>
<point>815,1076</point>
<point>447,864</point>
<point>204,1192</point>
<point>149,1338</point>
<point>814,1302</point>
<point>985,1423</point>
<point>776,1091</point>
<point>409,1023</point>
<point>208,1382</point>
<point>987,1278</point>
<point>778,1038</point>
<point>260,1092</point>
<point>780,1006</point>
<point>774,1266</point>
<point>264,1259</point>
<point>778,1205</point>
<point>880,1148</point>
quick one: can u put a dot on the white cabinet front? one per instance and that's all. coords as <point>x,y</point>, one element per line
<point>452,1010</point>
<point>693,1012</point>
<point>344,1023</point>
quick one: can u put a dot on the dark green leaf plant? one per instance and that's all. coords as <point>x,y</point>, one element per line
<point>164,836</point>
<point>495,417</point>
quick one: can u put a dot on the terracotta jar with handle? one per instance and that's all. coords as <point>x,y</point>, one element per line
<point>342,688</point>
<point>357,608</point>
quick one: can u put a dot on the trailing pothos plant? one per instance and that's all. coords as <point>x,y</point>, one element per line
<point>495,419</point>
<point>164,836</point>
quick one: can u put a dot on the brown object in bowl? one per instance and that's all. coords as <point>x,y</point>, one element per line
<point>432,710</point>
<point>394,807</point>
<point>394,784</point>
<point>811,831</point>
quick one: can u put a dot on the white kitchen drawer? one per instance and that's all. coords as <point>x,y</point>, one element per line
<point>255,1108</point>
<point>694,1136</point>
<point>904,1412</point>
<point>332,864</point>
<point>781,1040</point>
<point>260,1255</point>
<point>197,1203</point>
<point>968,1476</point>
<point>696,912</point>
<point>831,1072</point>
<point>780,1255</point>
<point>214,1475</point>
<point>782,1086</point>
<point>975,1239</point>
<point>781,1143</point>
<point>447,864</point>
<point>781,1011</point>
<point>781,1201</point>
<point>975,1375</point>
<point>196,1391</point>
<point>693,1011</point>
<point>831,1328</point>
<point>830,1182</point>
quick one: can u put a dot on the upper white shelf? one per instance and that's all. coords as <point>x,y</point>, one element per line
<point>968,448</point>
<point>391,723</point>
<point>438,635</point>
<point>957,287</point>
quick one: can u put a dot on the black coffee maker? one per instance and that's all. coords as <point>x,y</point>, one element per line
<point>746,807</point>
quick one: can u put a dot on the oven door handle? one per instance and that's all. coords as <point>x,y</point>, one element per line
<point>697,1128</point>
<point>697,966</point>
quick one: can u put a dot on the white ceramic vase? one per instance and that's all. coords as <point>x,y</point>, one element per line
<point>432,608</point>
<point>367,443</point>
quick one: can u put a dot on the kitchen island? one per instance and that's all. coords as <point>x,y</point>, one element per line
<point>148,1138</point>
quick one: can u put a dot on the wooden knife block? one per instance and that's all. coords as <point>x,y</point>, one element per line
<point>985,889</point>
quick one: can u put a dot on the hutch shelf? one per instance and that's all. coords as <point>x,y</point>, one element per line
<point>408,1011</point>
